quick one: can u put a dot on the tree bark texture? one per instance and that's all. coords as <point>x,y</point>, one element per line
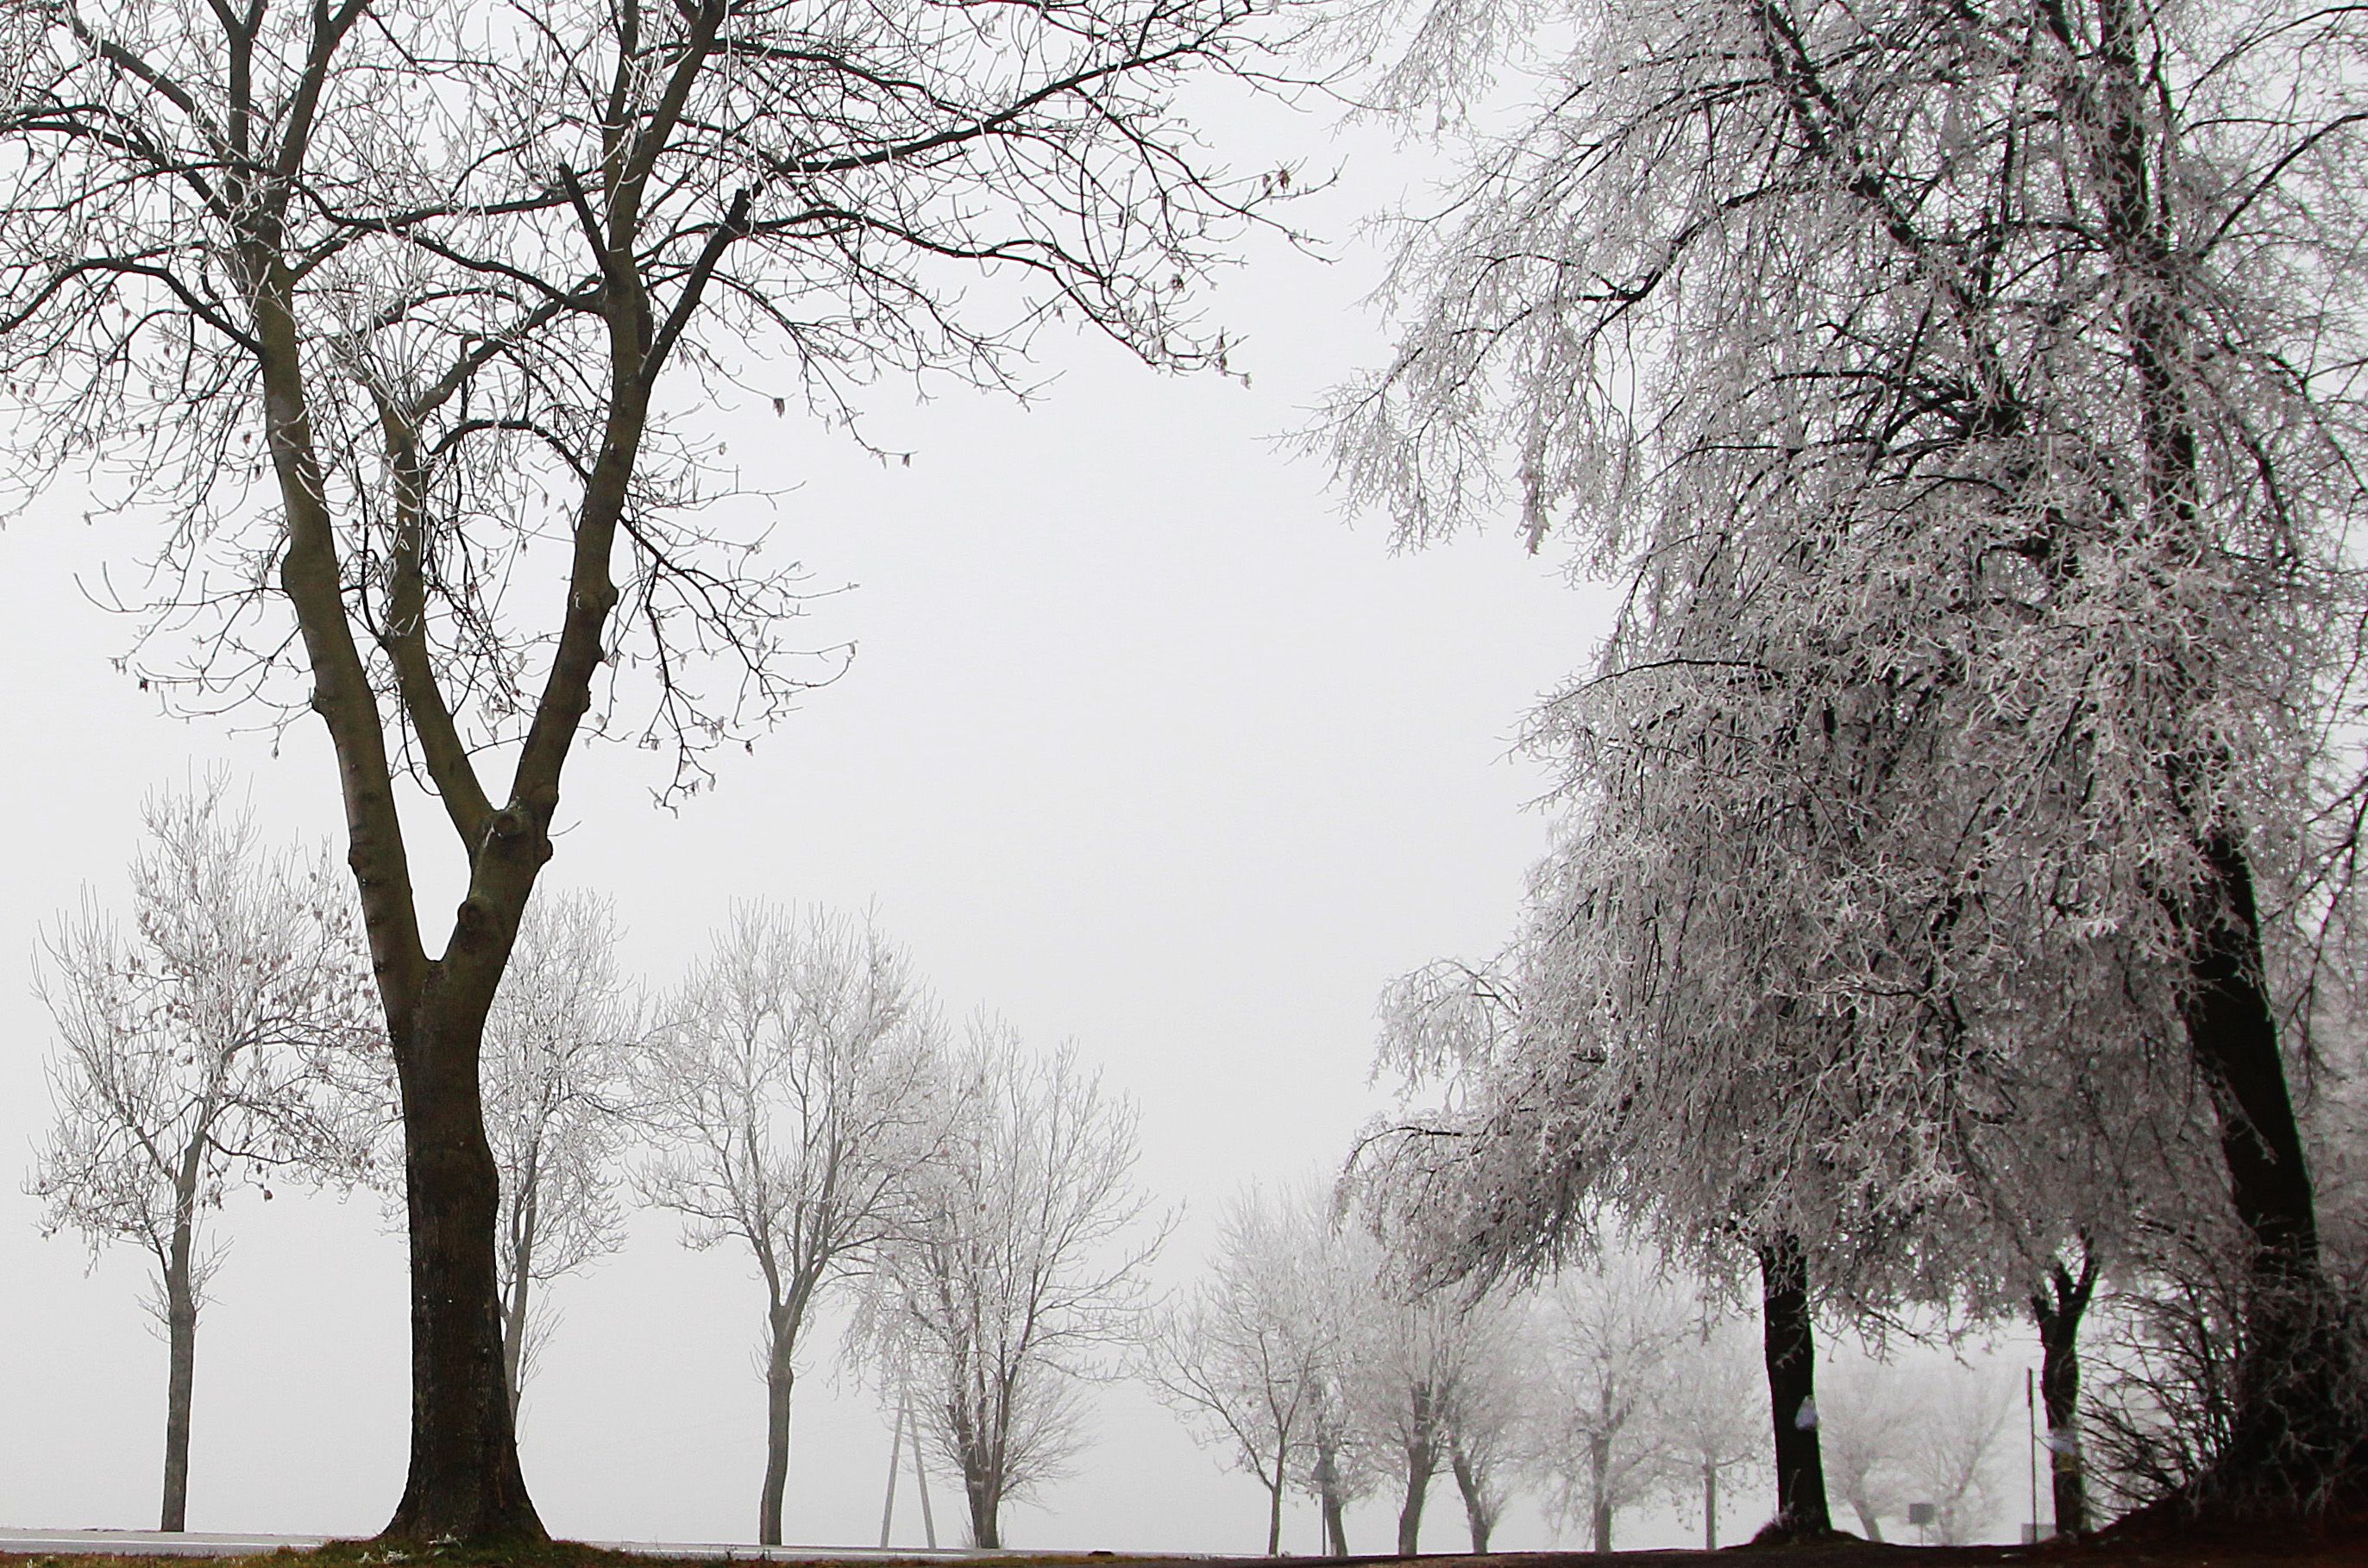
<point>2058,1310</point>
<point>181,1334</point>
<point>2290,1434</point>
<point>781,1382</point>
<point>1790,1350</point>
<point>464,1481</point>
<point>985,1509</point>
<point>1709,1506</point>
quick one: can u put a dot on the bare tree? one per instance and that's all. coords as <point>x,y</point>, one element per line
<point>1882,350</point>
<point>401,319</point>
<point>229,1037</point>
<point>1245,1358</point>
<point>795,1097</point>
<point>555,1065</point>
<point>1020,1269</point>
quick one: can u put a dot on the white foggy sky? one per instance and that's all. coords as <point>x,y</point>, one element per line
<point>1142,745</point>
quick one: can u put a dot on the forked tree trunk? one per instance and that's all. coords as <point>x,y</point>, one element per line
<point>2058,1311</point>
<point>781,1382</point>
<point>181,1337</point>
<point>464,1481</point>
<point>1791,1348</point>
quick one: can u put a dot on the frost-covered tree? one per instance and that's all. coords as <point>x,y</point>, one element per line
<point>403,326</point>
<point>1018,1271</point>
<point>226,1038</point>
<point>1961,1427</point>
<point>1613,1331</point>
<point>795,1094</point>
<point>1708,1412</point>
<point>1966,399</point>
<point>1245,1358</point>
<point>557,1058</point>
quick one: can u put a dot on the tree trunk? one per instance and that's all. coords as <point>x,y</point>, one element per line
<point>780,1381</point>
<point>1598,1479</point>
<point>1477,1512</point>
<point>1710,1506</point>
<point>1328,1496</point>
<point>2289,1436</point>
<point>2058,1311</point>
<point>1274,1485</point>
<point>985,1507</point>
<point>524,1215</point>
<point>181,1332</point>
<point>465,1482</point>
<point>1869,1520</point>
<point>1421,1464</point>
<point>1790,1347</point>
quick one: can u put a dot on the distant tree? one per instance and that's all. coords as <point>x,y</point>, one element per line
<point>404,322</point>
<point>1490,1420</point>
<point>230,1037</point>
<point>1869,1418</point>
<point>1962,1422</point>
<point>793,1095</point>
<point>1612,1331</point>
<point>1709,1414</point>
<point>1019,1267</point>
<point>1245,1358</point>
<point>1883,351</point>
<point>557,1054</point>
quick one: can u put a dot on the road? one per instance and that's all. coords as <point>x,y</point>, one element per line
<point>201,1543</point>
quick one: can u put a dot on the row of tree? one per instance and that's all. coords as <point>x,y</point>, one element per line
<point>1953,903</point>
<point>797,1094</point>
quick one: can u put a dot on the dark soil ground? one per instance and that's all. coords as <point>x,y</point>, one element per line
<point>2181,1548</point>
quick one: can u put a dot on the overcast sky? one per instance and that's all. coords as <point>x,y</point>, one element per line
<point>1143,746</point>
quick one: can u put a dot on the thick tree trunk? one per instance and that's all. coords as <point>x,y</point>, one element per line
<point>2058,1311</point>
<point>985,1509</point>
<point>1422,1463</point>
<point>2291,1437</point>
<point>1710,1506</point>
<point>181,1335</point>
<point>465,1482</point>
<point>1477,1514</point>
<point>781,1382</point>
<point>1790,1347</point>
<point>1328,1496</point>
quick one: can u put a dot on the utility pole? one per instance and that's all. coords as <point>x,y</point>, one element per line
<point>2030,1421</point>
<point>896,1452</point>
<point>921,1480</point>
